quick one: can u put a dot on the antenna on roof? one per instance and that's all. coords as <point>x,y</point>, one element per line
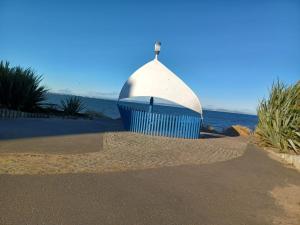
<point>157,48</point>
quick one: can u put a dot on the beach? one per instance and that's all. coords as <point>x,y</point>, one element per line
<point>65,171</point>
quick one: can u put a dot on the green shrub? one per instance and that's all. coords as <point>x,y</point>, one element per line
<point>20,88</point>
<point>72,105</point>
<point>279,118</point>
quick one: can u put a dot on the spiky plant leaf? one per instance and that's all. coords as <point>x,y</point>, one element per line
<point>279,118</point>
<point>72,105</point>
<point>20,89</point>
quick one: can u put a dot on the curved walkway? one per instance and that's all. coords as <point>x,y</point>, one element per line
<point>251,189</point>
<point>85,174</point>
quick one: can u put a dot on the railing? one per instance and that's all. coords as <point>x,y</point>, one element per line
<point>153,123</point>
<point>12,114</point>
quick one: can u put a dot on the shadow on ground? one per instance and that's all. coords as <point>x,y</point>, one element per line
<point>29,128</point>
<point>32,128</point>
<point>59,135</point>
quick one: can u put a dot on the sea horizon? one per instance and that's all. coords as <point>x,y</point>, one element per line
<point>160,103</point>
<point>219,120</point>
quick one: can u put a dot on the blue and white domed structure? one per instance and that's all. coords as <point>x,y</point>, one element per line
<point>155,81</point>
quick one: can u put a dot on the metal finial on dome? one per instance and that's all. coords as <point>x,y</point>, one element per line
<point>157,48</point>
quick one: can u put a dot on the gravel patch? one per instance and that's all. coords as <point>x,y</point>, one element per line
<point>126,151</point>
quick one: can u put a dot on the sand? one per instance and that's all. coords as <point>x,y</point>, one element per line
<point>112,151</point>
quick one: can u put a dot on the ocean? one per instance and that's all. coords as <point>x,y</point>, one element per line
<point>218,120</point>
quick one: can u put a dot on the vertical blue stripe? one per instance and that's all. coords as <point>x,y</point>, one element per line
<point>133,120</point>
<point>138,121</point>
<point>179,126</point>
<point>155,124</point>
<point>190,127</point>
<point>163,125</point>
<point>182,126</point>
<point>158,124</point>
<point>194,127</point>
<point>176,126</point>
<point>185,126</point>
<point>141,121</point>
<point>168,125</point>
<point>146,122</point>
<point>173,126</point>
<point>151,123</point>
<point>198,128</point>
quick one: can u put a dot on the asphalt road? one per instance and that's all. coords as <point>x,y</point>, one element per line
<point>231,192</point>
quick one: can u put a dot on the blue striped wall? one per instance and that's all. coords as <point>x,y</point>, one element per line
<point>160,124</point>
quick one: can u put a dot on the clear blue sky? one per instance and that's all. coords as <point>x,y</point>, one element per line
<point>228,52</point>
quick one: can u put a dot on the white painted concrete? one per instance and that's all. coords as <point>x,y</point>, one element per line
<point>156,80</point>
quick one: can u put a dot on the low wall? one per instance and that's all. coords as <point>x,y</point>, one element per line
<point>285,158</point>
<point>291,159</point>
<point>12,114</point>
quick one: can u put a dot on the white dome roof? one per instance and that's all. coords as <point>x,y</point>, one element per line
<point>156,80</point>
